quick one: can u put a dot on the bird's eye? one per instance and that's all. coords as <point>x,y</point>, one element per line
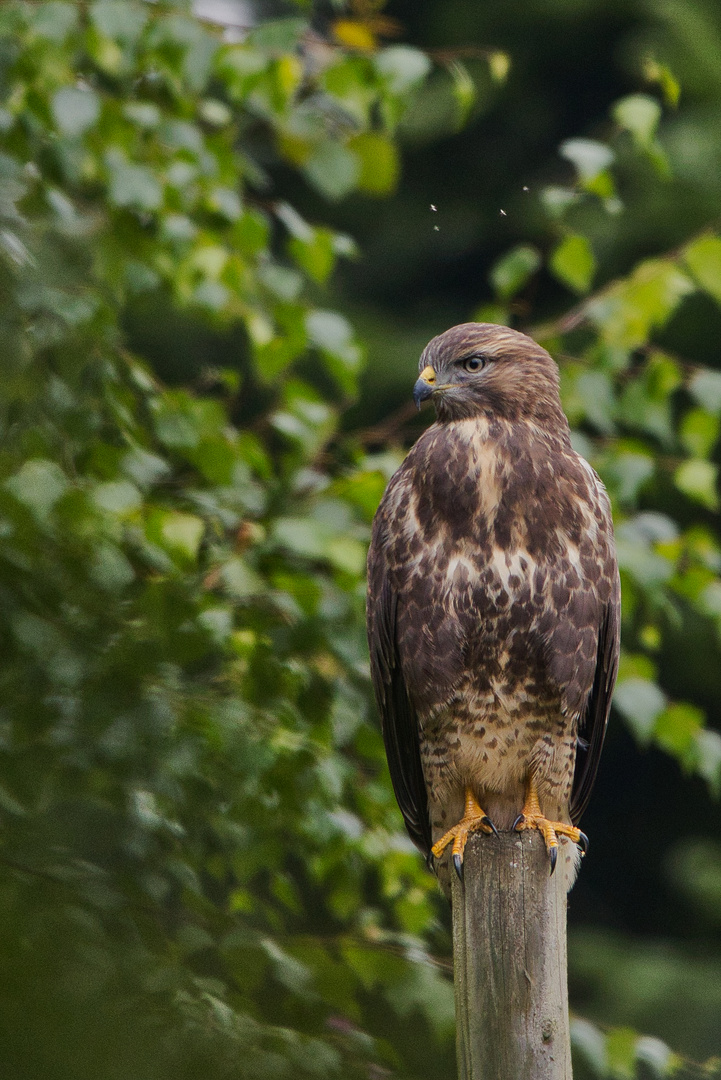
<point>474,363</point>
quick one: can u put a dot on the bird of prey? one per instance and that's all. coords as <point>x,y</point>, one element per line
<point>493,604</point>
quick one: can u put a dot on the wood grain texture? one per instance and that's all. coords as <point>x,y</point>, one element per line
<point>509,954</point>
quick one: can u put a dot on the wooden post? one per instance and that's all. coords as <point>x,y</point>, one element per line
<point>509,958</point>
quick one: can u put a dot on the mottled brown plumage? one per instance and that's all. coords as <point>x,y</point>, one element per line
<point>493,595</point>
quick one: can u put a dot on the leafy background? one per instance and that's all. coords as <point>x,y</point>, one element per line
<point>227,231</point>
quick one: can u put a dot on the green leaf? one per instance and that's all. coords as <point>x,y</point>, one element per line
<point>347,553</point>
<point>288,971</point>
<point>666,80</point>
<point>118,497</point>
<point>333,170</point>
<point>557,200</point>
<point>38,484</point>
<point>621,1053</point>
<point>14,249</point>
<point>628,311</point>
<point>424,988</point>
<point>74,110</point>
<point>55,21</point>
<point>183,135</point>
<point>328,330</point>
<point>699,432</point>
<point>659,1058</point>
<point>297,226</point>
<point>573,263</point>
<point>179,533</point>
<point>108,55</point>
<point>379,163</point>
<point>315,540</point>
<point>215,112</point>
<point>140,278</point>
<point>705,388</point>
<point>697,479</point>
<point>175,426</point>
<point>638,114</point>
<point>132,186</point>
<point>304,418</point>
<point>240,580</point>
<point>273,352</point>
<point>648,568</point>
<point>587,1040</point>
<point>641,702</point>
<point>218,621</point>
<point>677,727</point>
<point>499,64</point>
<point>226,202</point>
<point>464,89</point>
<point>191,51</point>
<point>143,467</point>
<point>281,280</point>
<point>596,392</point>
<point>707,755</point>
<point>315,255</point>
<point>511,272</point>
<point>703,258</point>
<point>278,35</point>
<point>402,67</point>
<point>645,403</point>
<point>111,569</point>
<point>589,157</point>
<point>711,599</point>
<point>122,19</point>
<point>332,334</point>
<point>302,536</point>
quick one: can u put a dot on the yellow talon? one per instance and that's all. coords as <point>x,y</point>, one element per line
<point>474,819</point>
<point>532,818</point>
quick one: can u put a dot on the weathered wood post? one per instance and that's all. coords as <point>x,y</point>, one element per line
<point>509,960</point>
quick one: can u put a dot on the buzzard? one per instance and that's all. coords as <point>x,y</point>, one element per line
<point>493,604</point>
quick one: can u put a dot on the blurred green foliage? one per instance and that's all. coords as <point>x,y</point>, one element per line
<point>203,868</point>
<point>203,871</point>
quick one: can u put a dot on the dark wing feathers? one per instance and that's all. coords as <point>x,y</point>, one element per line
<point>399,722</point>
<point>594,723</point>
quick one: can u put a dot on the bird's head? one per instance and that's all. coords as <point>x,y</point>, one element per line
<point>480,369</point>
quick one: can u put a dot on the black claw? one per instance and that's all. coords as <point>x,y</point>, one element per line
<point>553,853</point>
<point>431,862</point>
<point>515,823</point>
<point>458,865</point>
<point>487,821</point>
<point>583,843</point>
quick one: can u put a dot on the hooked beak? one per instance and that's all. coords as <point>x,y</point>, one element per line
<point>425,385</point>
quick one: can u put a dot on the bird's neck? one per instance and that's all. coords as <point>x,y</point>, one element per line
<point>502,434</point>
<point>507,403</point>
<point>468,469</point>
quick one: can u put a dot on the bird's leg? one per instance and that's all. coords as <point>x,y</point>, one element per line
<point>532,818</point>
<point>474,820</point>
